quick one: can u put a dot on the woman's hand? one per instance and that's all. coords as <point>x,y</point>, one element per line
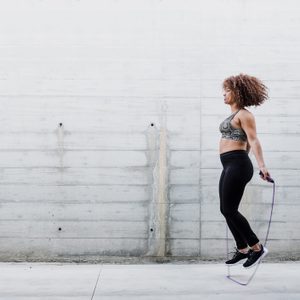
<point>264,173</point>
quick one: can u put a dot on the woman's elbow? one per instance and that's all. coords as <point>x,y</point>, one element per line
<point>254,143</point>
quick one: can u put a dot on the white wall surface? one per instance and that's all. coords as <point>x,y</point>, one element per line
<point>133,169</point>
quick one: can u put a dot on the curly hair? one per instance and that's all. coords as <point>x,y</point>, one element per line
<point>247,90</point>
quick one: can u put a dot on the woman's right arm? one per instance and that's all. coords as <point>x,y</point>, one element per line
<point>248,125</point>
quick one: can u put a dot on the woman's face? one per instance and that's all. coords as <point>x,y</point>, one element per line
<point>228,96</point>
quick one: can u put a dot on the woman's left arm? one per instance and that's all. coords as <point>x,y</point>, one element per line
<point>248,124</point>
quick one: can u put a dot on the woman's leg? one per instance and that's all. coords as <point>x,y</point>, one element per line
<point>236,176</point>
<point>241,242</point>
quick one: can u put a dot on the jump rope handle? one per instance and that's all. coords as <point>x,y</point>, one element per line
<point>269,179</point>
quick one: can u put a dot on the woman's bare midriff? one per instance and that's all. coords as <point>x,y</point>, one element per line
<point>230,145</point>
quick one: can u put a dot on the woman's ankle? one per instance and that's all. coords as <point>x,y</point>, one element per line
<point>256,247</point>
<point>243,250</point>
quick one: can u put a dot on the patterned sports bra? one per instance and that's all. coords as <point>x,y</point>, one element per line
<point>231,133</point>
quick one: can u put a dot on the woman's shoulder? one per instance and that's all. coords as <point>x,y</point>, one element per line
<point>245,112</point>
<point>246,115</point>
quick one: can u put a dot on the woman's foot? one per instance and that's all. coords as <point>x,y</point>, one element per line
<point>237,258</point>
<point>255,257</point>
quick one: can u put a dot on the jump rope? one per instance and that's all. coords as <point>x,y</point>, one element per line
<point>271,180</point>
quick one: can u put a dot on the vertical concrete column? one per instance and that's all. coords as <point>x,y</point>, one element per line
<point>158,210</point>
<point>162,192</point>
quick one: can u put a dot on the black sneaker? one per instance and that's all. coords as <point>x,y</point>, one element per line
<point>255,257</point>
<point>237,257</point>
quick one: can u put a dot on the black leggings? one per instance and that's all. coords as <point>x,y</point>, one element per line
<point>237,172</point>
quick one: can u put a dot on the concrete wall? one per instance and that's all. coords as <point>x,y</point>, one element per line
<point>109,125</point>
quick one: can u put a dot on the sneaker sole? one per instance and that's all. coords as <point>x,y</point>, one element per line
<point>266,251</point>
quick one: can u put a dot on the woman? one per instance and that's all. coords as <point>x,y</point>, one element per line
<point>238,136</point>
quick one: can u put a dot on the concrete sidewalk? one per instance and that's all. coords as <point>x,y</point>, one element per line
<point>32,281</point>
